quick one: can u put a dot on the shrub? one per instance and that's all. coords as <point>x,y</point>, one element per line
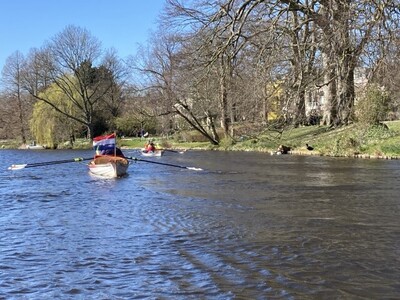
<point>373,106</point>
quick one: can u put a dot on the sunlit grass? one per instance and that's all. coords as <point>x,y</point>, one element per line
<point>394,125</point>
<point>344,141</point>
<point>138,143</point>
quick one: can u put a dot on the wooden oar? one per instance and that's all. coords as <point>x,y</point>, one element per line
<point>46,163</point>
<point>165,164</point>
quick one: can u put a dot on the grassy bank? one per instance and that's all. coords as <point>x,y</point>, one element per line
<point>350,141</point>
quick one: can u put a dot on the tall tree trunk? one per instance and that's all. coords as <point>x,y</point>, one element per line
<point>345,92</point>
<point>300,114</point>
<point>223,96</point>
<point>337,48</point>
<point>211,126</point>
<point>329,89</point>
<point>264,110</point>
<point>21,116</point>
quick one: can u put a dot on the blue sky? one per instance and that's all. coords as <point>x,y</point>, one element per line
<point>121,24</point>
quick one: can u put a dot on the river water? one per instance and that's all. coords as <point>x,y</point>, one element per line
<point>249,226</point>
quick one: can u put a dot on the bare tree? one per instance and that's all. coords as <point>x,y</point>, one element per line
<point>69,61</point>
<point>12,80</point>
<point>345,29</point>
<point>218,50</point>
<point>117,73</point>
<point>169,92</point>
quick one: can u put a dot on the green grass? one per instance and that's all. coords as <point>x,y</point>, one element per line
<point>394,125</point>
<point>344,141</point>
<point>137,143</point>
<point>349,140</point>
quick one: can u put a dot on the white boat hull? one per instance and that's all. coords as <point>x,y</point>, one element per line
<point>156,153</point>
<point>109,166</point>
<point>35,147</point>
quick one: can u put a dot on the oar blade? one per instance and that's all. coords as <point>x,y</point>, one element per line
<point>17,167</point>
<point>194,169</point>
<point>46,163</point>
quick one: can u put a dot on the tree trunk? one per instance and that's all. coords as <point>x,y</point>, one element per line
<point>345,92</point>
<point>89,134</point>
<point>300,114</point>
<point>329,90</point>
<point>211,126</point>
<point>21,120</point>
<point>223,98</point>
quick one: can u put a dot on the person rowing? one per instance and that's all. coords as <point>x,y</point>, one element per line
<point>149,147</point>
<point>116,152</point>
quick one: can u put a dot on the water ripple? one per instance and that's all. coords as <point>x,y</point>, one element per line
<point>330,230</point>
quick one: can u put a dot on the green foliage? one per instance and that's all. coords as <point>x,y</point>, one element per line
<point>131,124</point>
<point>378,132</point>
<point>191,136</point>
<point>42,124</point>
<point>100,126</point>
<point>48,126</point>
<point>127,125</point>
<point>164,143</point>
<point>391,149</point>
<point>131,143</point>
<point>373,106</point>
<point>227,142</point>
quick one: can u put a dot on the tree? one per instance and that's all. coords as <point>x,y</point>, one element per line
<point>12,80</point>
<point>49,126</point>
<point>347,28</point>
<point>67,62</point>
<point>166,70</point>
<point>219,48</point>
<point>9,117</point>
<point>115,72</point>
<point>334,33</point>
<point>373,106</point>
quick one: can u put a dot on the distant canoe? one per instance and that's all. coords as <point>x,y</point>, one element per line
<point>156,153</point>
<point>35,147</point>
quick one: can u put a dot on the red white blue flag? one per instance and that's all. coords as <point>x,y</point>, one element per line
<point>103,143</point>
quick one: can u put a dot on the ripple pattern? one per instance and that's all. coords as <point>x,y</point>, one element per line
<point>330,230</point>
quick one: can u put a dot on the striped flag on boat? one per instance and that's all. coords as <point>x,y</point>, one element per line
<point>104,142</point>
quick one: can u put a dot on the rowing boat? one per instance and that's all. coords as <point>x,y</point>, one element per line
<point>156,153</point>
<point>108,166</point>
<point>34,146</point>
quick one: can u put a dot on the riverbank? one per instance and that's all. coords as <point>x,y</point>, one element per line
<point>357,141</point>
<point>381,142</point>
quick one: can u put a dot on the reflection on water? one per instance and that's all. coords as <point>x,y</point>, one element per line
<point>251,226</point>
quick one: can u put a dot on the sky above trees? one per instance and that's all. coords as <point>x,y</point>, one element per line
<point>119,24</point>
